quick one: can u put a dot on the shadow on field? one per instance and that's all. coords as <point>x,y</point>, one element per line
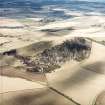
<point>34,97</point>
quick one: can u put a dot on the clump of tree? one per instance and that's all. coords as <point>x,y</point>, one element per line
<point>10,53</point>
<point>50,59</point>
